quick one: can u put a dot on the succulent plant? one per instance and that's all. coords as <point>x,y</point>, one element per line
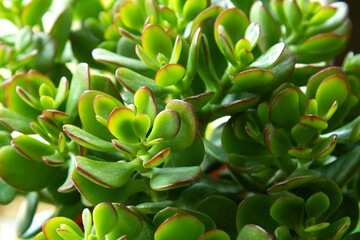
<point>180,119</point>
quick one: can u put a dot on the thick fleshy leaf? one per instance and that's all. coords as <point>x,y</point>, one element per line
<point>33,11</point>
<point>303,133</point>
<point>332,89</point>
<point>288,211</point>
<point>278,142</point>
<point>320,47</point>
<point>103,106</point>
<point>251,80</point>
<point>104,84</point>
<point>50,227</point>
<point>215,235</point>
<point>238,106</point>
<point>7,193</point>
<point>105,219</point>
<point>223,211</point>
<point>324,147</point>
<point>168,212</point>
<point>133,81</point>
<point>145,103</point>
<point>120,124</point>
<point>31,148</point>
<point>61,30</point>
<point>31,176</point>
<point>157,159</point>
<point>316,205</point>
<point>141,125</point>
<point>192,8</point>
<point>155,40</point>
<point>128,223</point>
<point>190,227</point>
<point>314,121</point>
<point>168,15</point>
<point>96,194</point>
<point>26,213</point>
<point>290,184</point>
<point>250,231</point>
<point>300,152</point>
<point>322,15</point>
<point>270,57</point>
<point>108,57</point>
<point>15,121</point>
<point>166,125</point>
<point>169,178</point>
<point>249,164</point>
<point>256,210</point>
<point>286,101</point>
<point>293,13</point>
<point>56,116</point>
<point>199,101</point>
<point>234,21</point>
<point>211,12</point>
<point>107,174</point>
<point>270,29</point>
<point>131,15</point>
<point>252,34</point>
<point>86,139</point>
<point>226,45</point>
<point>79,83</point>
<point>88,116</point>
<point>169,75</point>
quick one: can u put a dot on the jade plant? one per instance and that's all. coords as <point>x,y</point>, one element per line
<point>180,119</point>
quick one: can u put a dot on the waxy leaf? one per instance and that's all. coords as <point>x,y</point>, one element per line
<point>316,205</point>
<point>248,163</point>
<point>105,219</point>
<point>168,15</point>
<point>253,34</point>
<point>15,121</point>
<point>107,174</point>
<point>286,101</point>
<point>169,75</point>
<point>86,139</point>
<point>238,106</point>
<point>303,133</point>
<point>323,15</point>
<point>189,226</point>
<point>314,121</point>
<point>166,125</point>
<point>144,101</point>
<point>169,178</point>
<point>290,184</point>
<point>215,235</point>
<point>128,223</point>
<point>131,16</point>
<point>31,176</point>
<point>250,231</point>
<point>157,159</point>
<point>103,106</point>
<point>61,30</point>
<point>251,80</point>
<point>155,40</point>
<point>270,29</point>
<point>270,57</point>
<point>199,101</point>
<point>192,8</point>
<point>33,11</point>
<point>7,193</point>
<point>141,125</point>
<point>51,226</point>
<point>31,148</point>
<point>278,142</point>
<point>288,211</point>
<point>120,124</point>
<point>293,13</point>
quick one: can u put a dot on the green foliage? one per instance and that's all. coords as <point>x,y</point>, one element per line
<point>180,119</point>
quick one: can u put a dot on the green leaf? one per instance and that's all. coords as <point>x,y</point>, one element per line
<point>223,211</point>
<point>67,234</point>
<point>120,124</point>
<point>293,13</point>
<point>50,227</point>
<point>105,219</point>
<point>168,15</point>
<point>23,39</point>
<point>256,210</point>
<point>270,29</point>
<point>131,16</point>
<point>33,11</point>
<point>192,8</point>
<point>322,15</point>
<point>79,83</point>
<point>87,222</point>
<point>31,176</point>
<point>169,74</point>
<point>286,101</point>
<point>215,235</point>
<point>166,125</point>
<point>87,139</point>
<point>314,121</point>
<point>7,193</point>
<point>251,80</point>
<point>316,205</point>
<point>106,174</point>
<point>32,148</point>
<point>251,231</point>
<point>288,211</point>
<point>234,21</point>
<point>155,40</point>
<point>253,34</point>
<point>26,213</point>
<point>290,184</point>
<point>103,106</point>
<point>303,133</point>
<point>199,101</point>
<point>104,84</point>
<point>168,212</point>
<point>169,178</point>
<point>238,106</point>
<point>270,57</point>
<point>61,30</point>
<point>106,56</point>
<point>15,121</point>
<point>332,89</point>
<point>278,142</point>
<point>189,226</point>
<point>141,125</point>
<point>129,223</point>
<point>226,45</point>
<point>157,159</point>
